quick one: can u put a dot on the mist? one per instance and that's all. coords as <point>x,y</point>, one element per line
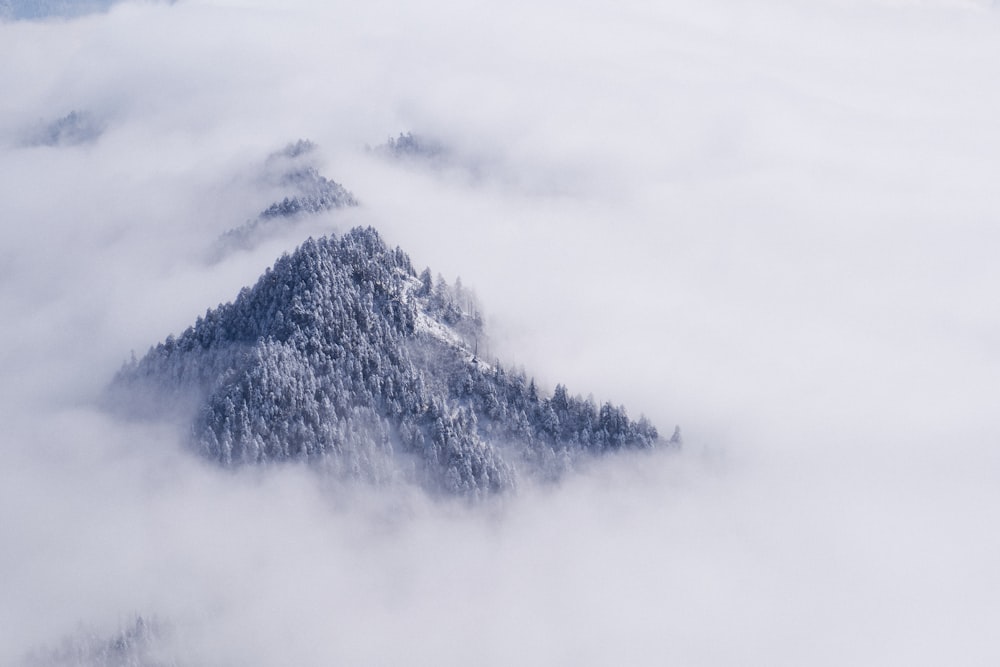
<point>772,224</point>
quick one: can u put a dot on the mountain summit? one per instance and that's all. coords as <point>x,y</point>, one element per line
<point>342,356</point>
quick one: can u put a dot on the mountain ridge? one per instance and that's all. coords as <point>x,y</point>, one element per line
<point>343,356</point>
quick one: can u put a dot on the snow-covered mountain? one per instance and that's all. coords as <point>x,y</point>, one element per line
<point>307,192</point>
<point>410,146</point>
<point>342,356</point>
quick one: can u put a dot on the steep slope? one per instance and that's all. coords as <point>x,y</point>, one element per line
<point>342,356</point>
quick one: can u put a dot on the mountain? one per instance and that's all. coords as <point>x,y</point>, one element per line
<point>312,192</point>
<point>412,146</point>
<point>41,9</point>
<point>76,127</point>
<point>342,356</point>
<point>292,171</point>
<point>134,645</point>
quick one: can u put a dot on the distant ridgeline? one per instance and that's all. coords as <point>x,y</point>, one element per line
<point>308,193</point>
<point>40,9</point>
<point>137,644</point>
<point>341,355</point>
<point>76,127</point>
<point>411,146</point>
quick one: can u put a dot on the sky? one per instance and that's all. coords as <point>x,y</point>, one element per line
<point>771,223</point>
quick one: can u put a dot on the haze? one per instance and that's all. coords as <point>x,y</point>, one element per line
<point>772,223</point>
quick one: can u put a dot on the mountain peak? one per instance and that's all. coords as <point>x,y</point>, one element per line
<point>342,356</point>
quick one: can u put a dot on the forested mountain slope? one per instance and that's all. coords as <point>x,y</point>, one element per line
<point>341,355</point>
<point>293,171</point>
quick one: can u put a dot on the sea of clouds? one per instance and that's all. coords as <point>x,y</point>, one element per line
<point>773,223</point>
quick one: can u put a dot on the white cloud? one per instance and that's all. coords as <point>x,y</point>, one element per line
<point>771,223</point>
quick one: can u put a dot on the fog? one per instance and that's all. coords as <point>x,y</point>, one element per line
<point>772,223</point>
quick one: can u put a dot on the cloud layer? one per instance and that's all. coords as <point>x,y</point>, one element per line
<point>770,223</point>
